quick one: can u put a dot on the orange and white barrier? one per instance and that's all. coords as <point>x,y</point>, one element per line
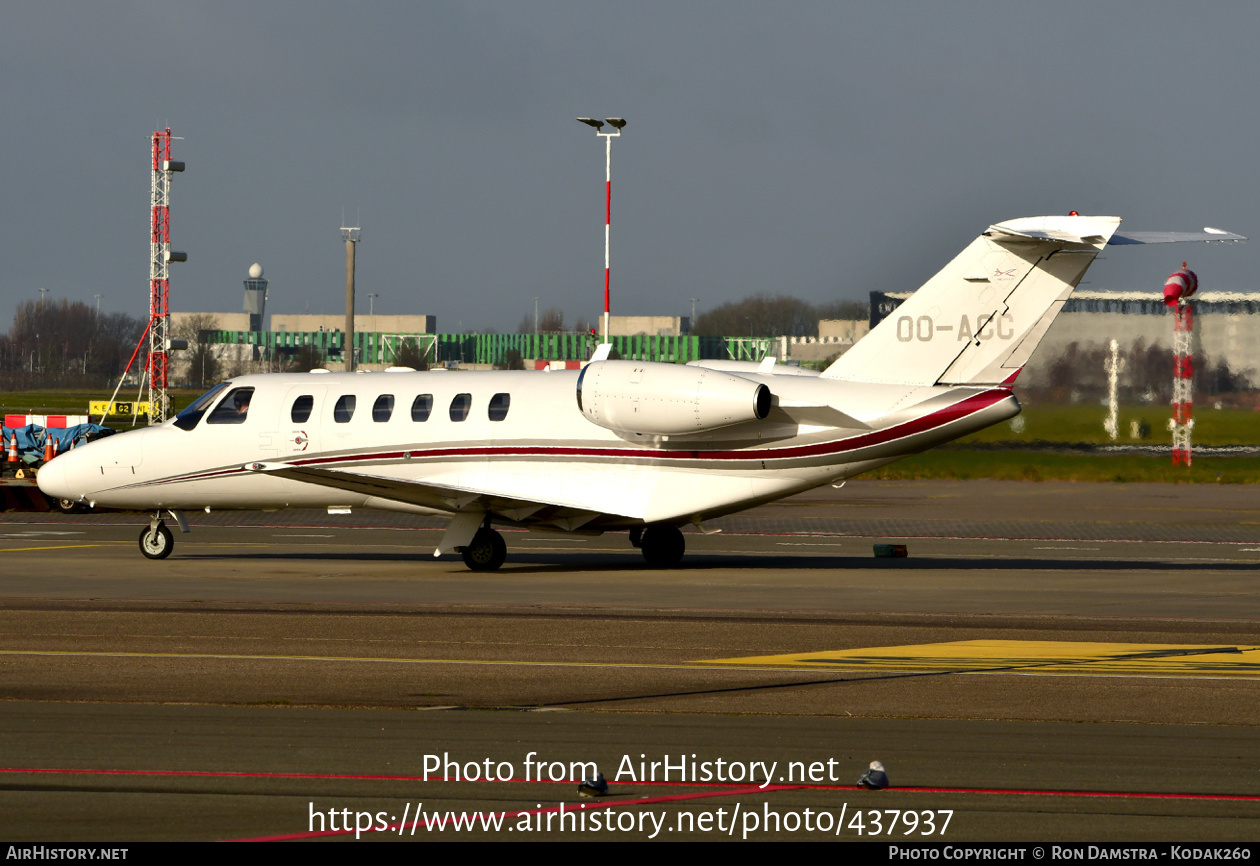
<point>56,422</point>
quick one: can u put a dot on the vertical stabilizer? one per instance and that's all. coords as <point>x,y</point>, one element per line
<point>978,321</point>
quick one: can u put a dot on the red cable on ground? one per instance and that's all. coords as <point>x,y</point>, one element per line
<point>1028,792</point>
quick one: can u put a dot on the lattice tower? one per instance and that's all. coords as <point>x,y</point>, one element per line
<point>160,257</point>
<point>1183,382</point>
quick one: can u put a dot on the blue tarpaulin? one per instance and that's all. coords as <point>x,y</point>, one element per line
<point>32,438</point>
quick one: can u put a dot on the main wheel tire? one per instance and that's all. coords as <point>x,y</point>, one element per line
<point>156,542</point>
<point>636,537</point>
<point>486,552</point>
<point>663,545</point>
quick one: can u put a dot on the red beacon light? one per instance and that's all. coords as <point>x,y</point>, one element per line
<point>1073,213</point>
<point>1180,285</point>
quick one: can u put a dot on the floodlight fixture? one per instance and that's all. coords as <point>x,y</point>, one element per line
<point>590,121</point>
<point>617,122</point>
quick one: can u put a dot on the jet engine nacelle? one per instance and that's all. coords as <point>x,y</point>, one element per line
<point>667,399</point>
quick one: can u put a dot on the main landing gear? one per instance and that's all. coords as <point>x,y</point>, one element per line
<point>156,541</point>
<point>486,552</point>
<point>663,545</point>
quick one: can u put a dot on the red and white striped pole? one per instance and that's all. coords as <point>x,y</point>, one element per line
<point>607,225</point>
<point>1177,291</point>
<point>616,123</point>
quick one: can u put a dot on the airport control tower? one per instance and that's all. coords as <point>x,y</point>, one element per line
<point>256,297</point>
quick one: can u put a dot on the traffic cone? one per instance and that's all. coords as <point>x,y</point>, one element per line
<point>55,446</point>
<point>13,458</point>
<point>48,455</point>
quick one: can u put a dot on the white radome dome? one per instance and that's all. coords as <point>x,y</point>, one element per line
<point>255,271</point>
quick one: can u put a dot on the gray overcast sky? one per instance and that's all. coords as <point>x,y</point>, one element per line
<point>814,149</point>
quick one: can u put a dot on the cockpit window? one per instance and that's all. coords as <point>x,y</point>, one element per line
<point>344,410</point>
<point>187,419</point>
<point>302,409</point>
<point>383,407</point>
<point>233,408</point>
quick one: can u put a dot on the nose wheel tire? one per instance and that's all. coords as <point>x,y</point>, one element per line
<point>156,542</point>
<point>663,545</point>
<point>68,506</point>
<point>486,552</point>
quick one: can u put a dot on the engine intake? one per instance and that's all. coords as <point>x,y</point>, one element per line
<point>667,399</point>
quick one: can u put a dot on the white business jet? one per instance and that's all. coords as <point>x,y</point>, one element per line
<point>619,445</point>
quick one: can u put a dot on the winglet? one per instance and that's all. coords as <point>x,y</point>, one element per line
<point>766,368</point>
<point>602,351</point>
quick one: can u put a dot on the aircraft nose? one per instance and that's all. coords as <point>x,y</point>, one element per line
<point>52,479</point>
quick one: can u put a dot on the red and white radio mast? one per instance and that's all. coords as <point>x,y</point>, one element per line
<point>1177,291</point>
<point>160,257</point>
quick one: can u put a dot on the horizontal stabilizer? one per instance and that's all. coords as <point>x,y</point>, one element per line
<point>1208,235</point>
<point>1091,231</point>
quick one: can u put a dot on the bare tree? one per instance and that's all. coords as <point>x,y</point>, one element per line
<point>772,316</point>
<point>203,365</point>
<point>409,355</point>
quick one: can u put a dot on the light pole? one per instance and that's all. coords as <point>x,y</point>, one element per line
<point>42,292</point>
<point>98,304</point>
<point>372,296</point>
<point>535,317</point>
<point>616,123</point>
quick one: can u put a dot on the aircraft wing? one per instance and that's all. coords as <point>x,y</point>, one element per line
<point>567,516</point>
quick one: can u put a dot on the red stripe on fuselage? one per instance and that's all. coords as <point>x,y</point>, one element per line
<point>926,423</point>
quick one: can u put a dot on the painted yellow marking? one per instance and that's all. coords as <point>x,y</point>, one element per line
<point>1034,657</point>
<point>60,546</point>
<point>1055,658</point>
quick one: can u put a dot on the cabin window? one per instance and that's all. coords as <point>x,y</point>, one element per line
<point>344,410</point>
<point>460,406</point>
<point>301,411</point>
<point>233,408</point>
<point>187,419</point>
<point>499,406</point>
<point>421,407</point>
<point>383,407</point>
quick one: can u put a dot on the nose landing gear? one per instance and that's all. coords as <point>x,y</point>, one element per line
<point>156,541</point>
